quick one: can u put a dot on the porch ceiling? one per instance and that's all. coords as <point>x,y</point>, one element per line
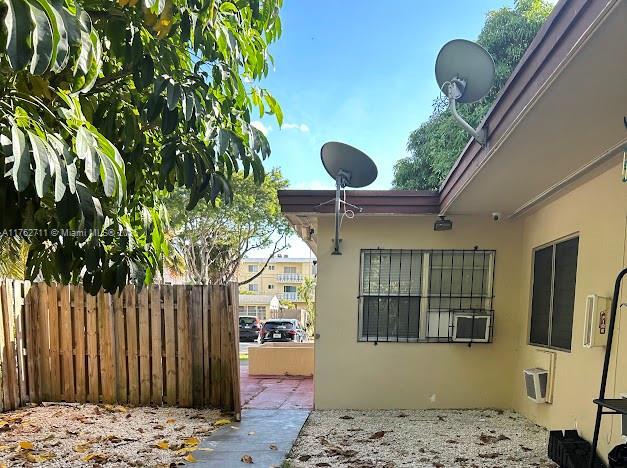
<point>573,125</point>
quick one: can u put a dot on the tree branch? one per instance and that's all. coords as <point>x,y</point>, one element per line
<point>275,251</point>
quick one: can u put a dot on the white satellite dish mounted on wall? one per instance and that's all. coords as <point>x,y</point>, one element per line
<point>350,168</point>
<point>465,72</point>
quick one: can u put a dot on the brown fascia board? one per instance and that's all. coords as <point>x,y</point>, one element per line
<point>407,202</point>
<point>564,27</point>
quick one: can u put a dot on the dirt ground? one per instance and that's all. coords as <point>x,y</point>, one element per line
<point>64,435</point>
<point>427,438</point>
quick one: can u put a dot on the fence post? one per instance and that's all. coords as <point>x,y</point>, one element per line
<point>234,354</point>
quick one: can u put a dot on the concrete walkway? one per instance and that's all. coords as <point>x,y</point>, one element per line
<point>265,435</point>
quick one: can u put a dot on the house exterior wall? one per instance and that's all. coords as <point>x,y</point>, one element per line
<point>597,211</point>
<point>352,374</point>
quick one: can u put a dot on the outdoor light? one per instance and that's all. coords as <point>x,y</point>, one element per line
<point>442,224</point>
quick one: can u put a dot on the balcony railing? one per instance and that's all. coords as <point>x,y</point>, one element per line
<point>289,278</point>
<point>289,296</point>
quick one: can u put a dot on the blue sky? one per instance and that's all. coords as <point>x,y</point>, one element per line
<point>360,72</point>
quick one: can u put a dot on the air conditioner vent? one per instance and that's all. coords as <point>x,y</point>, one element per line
<point>536,381</point>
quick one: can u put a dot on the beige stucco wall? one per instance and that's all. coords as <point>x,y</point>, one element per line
<point>597,210</point>
<point>281,359</point>
<point>352,374</point>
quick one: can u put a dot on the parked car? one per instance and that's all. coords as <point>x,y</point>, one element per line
<point>249,328</point>
<point>282,330</point>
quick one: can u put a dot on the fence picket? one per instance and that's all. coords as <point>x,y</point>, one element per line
<point>55,365</point>
<point>78,316</point>
<point>6,384</point>
<point>9,331</point>
<point>131,345</point>
<point>170,344</point>
<point>215,349</point>
<point>92,350</point>
<point>197,361</point>
<point>65,344</point>
<point>20,345</point>
<point>106,337</point>
<point>205,308</point>
<point>144,348</point>
<point>120,347</point>
<point>43,342</point>
<point>156,343</point>
<point>184,347</point>
<point>31,311</point>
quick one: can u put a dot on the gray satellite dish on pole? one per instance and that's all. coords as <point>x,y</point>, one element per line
<point>349,167</point>
<point>465,73</point>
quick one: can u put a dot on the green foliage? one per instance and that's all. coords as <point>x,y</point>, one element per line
<point>105,106</point>
<point>307,291</point>
<point>437,143</point>
<point>13,253</point>
<point>213,240</point>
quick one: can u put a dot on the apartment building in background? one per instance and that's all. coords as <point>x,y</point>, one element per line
<point>280,279</point>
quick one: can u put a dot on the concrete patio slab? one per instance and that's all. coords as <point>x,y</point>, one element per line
<point>275,392</point>
<point>265,435</point>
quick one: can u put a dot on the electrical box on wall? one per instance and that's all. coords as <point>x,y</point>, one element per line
<point>597,318</point>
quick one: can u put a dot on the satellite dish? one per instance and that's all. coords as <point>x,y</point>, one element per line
<point>468,61</point>
<point>465,73</point>
<point>354,166</point>
<point>350,168</point>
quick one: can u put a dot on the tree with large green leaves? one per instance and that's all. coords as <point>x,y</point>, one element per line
<point>212,240</point>
<point>436,144</point>
<point>105,105</point>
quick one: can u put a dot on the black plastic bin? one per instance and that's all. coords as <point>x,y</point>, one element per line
<point>618,456</point>
<point>569,450</point>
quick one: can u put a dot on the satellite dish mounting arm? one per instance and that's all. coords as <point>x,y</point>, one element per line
<point>455,89</point>
<point>341,180</point>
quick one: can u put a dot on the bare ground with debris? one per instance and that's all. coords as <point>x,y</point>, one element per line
<point>68,435</point>
<point>420,438</point>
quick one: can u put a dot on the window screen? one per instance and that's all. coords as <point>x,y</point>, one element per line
<point>409,295</point>
<point>553,294</point>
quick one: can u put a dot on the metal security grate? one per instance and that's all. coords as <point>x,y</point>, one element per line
<point>426,295</point>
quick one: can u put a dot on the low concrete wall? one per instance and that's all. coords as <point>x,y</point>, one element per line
<point>281,359</point>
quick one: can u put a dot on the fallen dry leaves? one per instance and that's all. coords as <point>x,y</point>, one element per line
<point>68,435</point>
<point>419,438</point>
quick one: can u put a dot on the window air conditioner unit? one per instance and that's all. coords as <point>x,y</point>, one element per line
<point>597,318</point>
<point>536,381</point>
<point>471,327</point>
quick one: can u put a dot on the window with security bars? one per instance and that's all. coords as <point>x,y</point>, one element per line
<point>415,295</point>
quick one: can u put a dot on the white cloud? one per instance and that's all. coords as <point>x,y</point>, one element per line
<point>261,127</point>
<point>304,128</point>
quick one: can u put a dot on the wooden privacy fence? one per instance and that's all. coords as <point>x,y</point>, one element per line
<point>166,344</point>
